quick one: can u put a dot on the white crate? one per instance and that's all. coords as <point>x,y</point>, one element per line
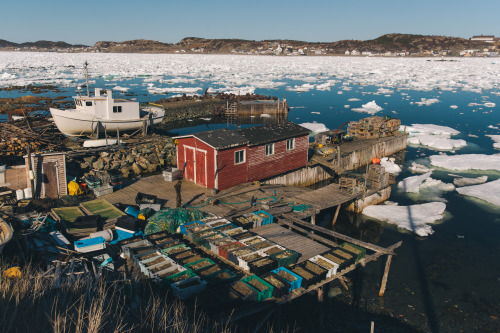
<point>103,190</point>
<point>171,174</point>
<point>331,270</point>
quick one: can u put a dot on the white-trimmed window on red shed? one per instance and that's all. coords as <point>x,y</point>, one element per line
<point>270,149</point>
<point>290,144</point>
<point>239,157</point>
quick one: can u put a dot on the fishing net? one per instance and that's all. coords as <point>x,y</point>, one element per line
<point>171,219</point>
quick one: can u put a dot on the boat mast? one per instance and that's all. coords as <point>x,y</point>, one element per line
<point>86,71</point>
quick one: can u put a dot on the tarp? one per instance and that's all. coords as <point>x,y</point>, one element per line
<point>74,188</point>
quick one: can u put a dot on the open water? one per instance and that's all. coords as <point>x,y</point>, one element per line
<point>446,282</point>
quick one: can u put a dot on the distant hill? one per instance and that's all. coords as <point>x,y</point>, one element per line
<point>393,43</point>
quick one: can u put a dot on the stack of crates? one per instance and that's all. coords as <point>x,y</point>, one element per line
<point>115,178</point>
<point>93,182</point>
<point>376,177</point>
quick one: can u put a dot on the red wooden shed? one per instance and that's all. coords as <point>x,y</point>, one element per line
<point>224,158</point>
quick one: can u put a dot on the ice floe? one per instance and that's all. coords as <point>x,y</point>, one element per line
<point>489,192</point>
<point>425,101</point>
<point>389,165</point>
<point>415,184</point>
<point>415,218</point>
<point>370,107</point>
<point>418,168</point>
<point>465,162</point>
<point>433,136</point>
<point>122,89</point>
<point>489,104</point>
<point>454,106</point>
<point>495,138</point>
<point>353,100</point>
<point>463,181</point>
<point>315,127</point>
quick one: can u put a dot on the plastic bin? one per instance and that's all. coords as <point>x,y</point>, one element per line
<point>220,277</point>
<point>236,255</point>
<point>329,265</point>
<point>217,223</point>
<point>244,260</point>
<point>128,249</point>
<point>275,248</point>
<point>265,216</point>
<point>93,182</point>
<point>226,227</point>
<point>115,175</point>
<point>350,258</point>
<point>255,219</point>
<point>280,287</point>
<point>225,249</point>
<point>175,249</point>
<point>244,235</point>
<point>245,291</point>
<point>263,265</point>
<point>252,240</point>
<point>199,264</point>
<point>186,275</point>
<point>243,222</point>
<point>215,244</point>
<point>171,174</point>
<point>234,231</point>
<point>200,237</point>
<point>294,280</point>
<point>90,244</point>
<point>188,288</point>
<point>264,289</point>
<point>359,251</point>
<point>142,198</point>
<point>318,272</point>
<point>184,227</point>
<point>172,270</point>
<point>264,245</point>
<point>286,258</point>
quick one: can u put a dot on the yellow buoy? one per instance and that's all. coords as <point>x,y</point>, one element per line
<point>320,145</point>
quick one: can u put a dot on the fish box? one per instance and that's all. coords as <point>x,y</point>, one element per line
<point>308,278</point>
<point>236,255</point>
<point>217,223</point>
<point>171,174</point>
<point>329,265</point>
<point>90,244</point>
<point>245,291</point>
<point>243,222</point>
<point>293,280</point>
<point>280,287</point>
<point>103,190</point>
<point>185,275</point>
<point>220,277</point>
<point>188,288</point>
<point>359,251</point>
<point>232,232</point>
<point>264,289</point>
<point>252,240</point>
<point>244,235</point>
<point>199,264</point>
<point>216,243</point>
<point>315,269</point>
<point>286,258</point>
<point>184,227</point>
<point>225,249</point>
<point>170,251</point>
<point>263,265</point>
<point>265,216</point>
<point>255,219</point>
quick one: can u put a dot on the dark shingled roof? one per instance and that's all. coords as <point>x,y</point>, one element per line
<point>224,138</point>
<point>273,132</point>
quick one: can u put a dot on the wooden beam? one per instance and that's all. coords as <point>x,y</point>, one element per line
<point>386,273</point>
<point>309,234</point>
<point>339,235</point>
<point>336,215</point>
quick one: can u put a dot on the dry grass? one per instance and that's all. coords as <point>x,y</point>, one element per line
<point>37,304</point>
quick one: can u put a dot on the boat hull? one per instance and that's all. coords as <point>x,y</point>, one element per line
<point>73,123</point>
<point>5,234</point>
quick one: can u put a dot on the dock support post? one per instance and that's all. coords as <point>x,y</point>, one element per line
<point>386,273</point>
<point>338,155</point>
<point>144,127</point>
<point>106,135</point>
<point>336,215</point>
<point>313,219</point>
<point>320,304</point>
<point>118,135</point>
<point>178,198</point>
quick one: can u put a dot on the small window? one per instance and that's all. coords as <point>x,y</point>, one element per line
<point>290,144</point>
<point>239,157</point>
<point>117,109</point>
<point>270,149</point>
<point>88,103</point>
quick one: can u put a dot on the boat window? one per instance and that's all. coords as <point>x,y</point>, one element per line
<point>117,109</point>
<point>88,103</point>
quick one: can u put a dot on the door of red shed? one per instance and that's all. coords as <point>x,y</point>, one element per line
<point>201,169</point>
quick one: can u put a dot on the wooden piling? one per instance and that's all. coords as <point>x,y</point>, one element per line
<point>386,273</point>
<point>336,215</point>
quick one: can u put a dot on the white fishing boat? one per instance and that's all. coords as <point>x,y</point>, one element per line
<point>102,112</point>
<point>6,233</point>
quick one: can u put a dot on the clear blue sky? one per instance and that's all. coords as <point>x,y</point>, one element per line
<point>89,21</point>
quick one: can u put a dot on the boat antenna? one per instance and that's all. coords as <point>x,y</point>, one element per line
<point>86,72</point>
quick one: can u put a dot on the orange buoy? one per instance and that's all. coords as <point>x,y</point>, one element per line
<point>376,160</point>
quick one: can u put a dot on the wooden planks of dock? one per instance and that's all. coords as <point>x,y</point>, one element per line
<point>291,240</point>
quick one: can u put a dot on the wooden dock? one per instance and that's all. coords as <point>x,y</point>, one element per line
<point>307,248</point>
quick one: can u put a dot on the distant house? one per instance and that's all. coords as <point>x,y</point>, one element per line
<point>484,38</point>
<point>354,52</point>
<point>224,158</point>
<point>347,52</point>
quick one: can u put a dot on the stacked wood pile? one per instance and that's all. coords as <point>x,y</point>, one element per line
<point>350,185</point>
<point>14,141</point>
<point>373,127</point>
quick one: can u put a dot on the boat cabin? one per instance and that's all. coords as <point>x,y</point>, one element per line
<point>105,107</point>
<point>224,158</point>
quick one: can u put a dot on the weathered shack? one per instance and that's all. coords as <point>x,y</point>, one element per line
<point>222,159</point>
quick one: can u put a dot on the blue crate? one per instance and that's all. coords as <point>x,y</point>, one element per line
<point>123,234</point>
<point>267,220</point>
<point>183,226</point>
<point>294,284</point>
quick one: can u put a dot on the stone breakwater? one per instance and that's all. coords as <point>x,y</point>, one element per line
<point>146,158</point>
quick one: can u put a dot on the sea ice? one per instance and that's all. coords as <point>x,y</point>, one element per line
<point>433,136</point>
<point>489,104</point>
<point>495,138</point>
<point>390,166</point>
<point>425,101</point>
<point>489,192</point>
<point>454,106</point>
<point>370,107</point>
<point>412,184</point>
<point>315,127</point>
<point>418,168</point>
<point>353,100</point>
<point>463,181</point>
<point>467,162</point>
<point>122,89</point>
<point>415,218</point>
